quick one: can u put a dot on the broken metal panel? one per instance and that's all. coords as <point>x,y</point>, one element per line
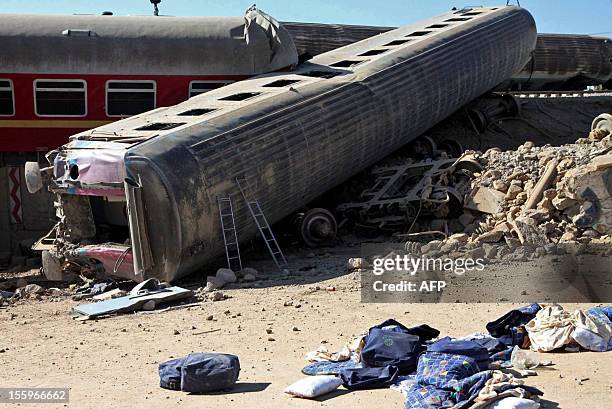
<point>298,134</point>
<point>89,168</point>
<point>313,38</point>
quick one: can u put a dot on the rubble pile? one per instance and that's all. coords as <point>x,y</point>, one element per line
<point>545,197</point>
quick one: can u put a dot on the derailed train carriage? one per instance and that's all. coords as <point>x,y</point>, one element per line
<point>290,136</point>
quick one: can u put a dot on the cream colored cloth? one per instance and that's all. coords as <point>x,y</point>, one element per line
<point>351,350</point>
<point>551,328</point>
<point>554,328</point>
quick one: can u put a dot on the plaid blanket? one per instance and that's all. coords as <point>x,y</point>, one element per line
<point>445,381</point>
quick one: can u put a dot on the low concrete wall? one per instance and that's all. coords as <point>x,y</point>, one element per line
<point>24,217</point>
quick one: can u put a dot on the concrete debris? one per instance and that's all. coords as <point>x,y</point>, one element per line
<point>356,264</point>
<point>487,200</point>
<point>536,200</point>
<point>248,271</point>
<point>226,275</point>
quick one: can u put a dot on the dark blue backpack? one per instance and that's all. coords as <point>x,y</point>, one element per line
<point>392,344</point>
<point>200,372</point>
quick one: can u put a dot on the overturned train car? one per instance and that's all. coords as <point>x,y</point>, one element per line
<point>288,136</point>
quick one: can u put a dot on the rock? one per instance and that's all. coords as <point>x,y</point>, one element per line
<point>528,232</point>
<point>500,185</point>
<point>549,194</point>
<point>248,270</point>
<point>31,289</point>
<point>271,339</point>
<point>562,203</point>
<point>539,252</point>
<point>217,296</point>
<point>490,250</point>
<point>357,263</point>
<point>485,200</point>
<point>209,318</point>
<point>492,236</point>
<point>449,246</point>
<point>431,246</point>
<point>459,238</point>
<point>590,233</point>
<point>568,236</point>
<point>213,283</point>
<point>295,329</point>
<point>268,330</point>
<point>476,253</point>
<point>513,191</point>
<point>21,282</point>
<point>226,275</point>
<point>512,243</point>
<point>176,332</point>
<point>249,277</point>
<point>522,253</point>
<point>551,248</point>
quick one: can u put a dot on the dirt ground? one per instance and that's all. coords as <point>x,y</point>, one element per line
<point>112,362</point>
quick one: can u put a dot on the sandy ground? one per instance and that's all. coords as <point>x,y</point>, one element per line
<point>112,362</point>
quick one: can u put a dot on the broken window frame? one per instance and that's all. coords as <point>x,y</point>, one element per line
<point>37,89</point>
<point>10,89</point>
<point>108,89</point>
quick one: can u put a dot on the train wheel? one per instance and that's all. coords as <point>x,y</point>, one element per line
<point>318,227</point>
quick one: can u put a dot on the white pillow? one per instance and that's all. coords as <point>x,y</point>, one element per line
<point>515,403</point>
<point>314,386</point>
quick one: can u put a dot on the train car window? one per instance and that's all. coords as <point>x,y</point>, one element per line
<point>60,97</point>
<point>126,98</point>
<point>200,87</point>
<point>7,98</point>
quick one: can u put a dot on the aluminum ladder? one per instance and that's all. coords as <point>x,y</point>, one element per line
<point>264,228</point>
<point>230,237</point>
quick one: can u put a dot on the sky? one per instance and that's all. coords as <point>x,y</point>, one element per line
<point>552,16</point>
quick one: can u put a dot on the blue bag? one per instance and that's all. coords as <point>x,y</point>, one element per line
<point>170,374</point>
<point>368,378</point>
<point>515,318</point>
<point>391,348</point>
<point>200,372</point>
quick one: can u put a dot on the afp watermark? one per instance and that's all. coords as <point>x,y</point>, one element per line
<point>411,264</point>
<point>396,275</point>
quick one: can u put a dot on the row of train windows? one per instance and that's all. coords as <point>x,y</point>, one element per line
<point>69,97</point>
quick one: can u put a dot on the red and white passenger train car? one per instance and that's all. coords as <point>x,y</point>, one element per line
<point>60,75</point>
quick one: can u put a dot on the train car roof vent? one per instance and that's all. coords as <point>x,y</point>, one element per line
<point>159,126</point>
<point>78,32</point>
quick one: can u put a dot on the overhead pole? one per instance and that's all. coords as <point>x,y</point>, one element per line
<point>155,8</point>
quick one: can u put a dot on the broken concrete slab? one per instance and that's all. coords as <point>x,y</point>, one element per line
<point>527,230</point>
<point>485,200</point>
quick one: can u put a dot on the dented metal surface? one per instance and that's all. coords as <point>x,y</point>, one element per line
<point>295,135</point>
<point>63,44</point>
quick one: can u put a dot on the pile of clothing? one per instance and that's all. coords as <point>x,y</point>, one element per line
<point>468,371</point>
<point>553,328</point>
